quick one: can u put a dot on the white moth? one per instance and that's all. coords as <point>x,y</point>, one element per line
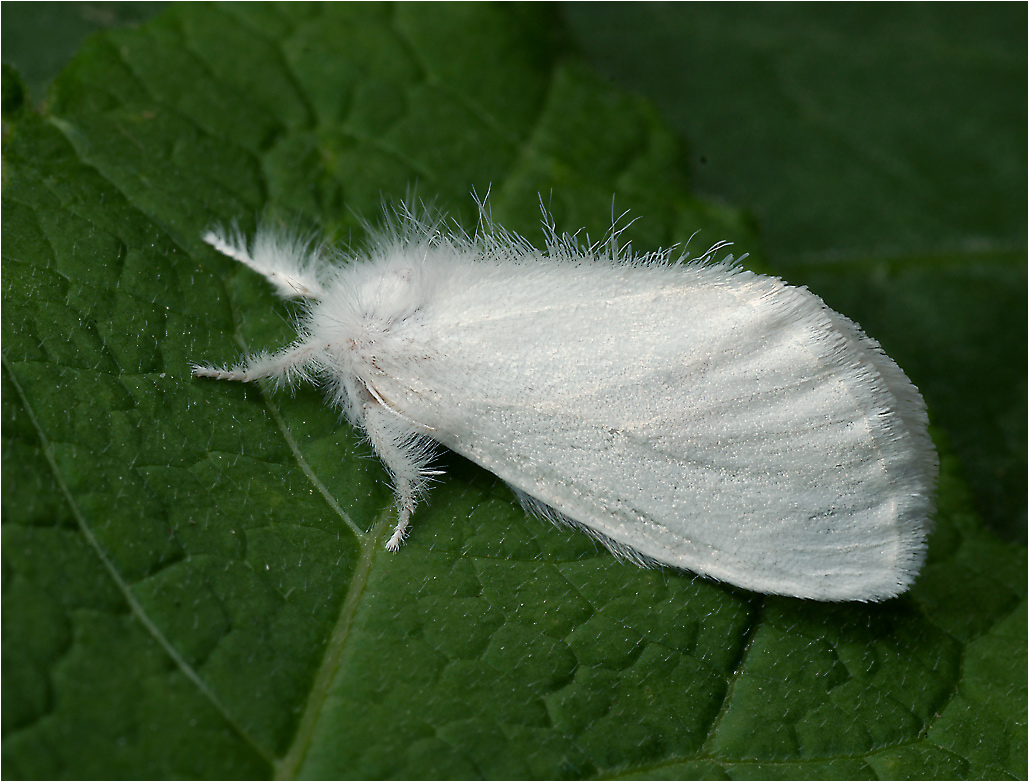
<point>684,413</point>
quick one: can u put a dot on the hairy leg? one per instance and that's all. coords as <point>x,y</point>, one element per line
<point>286,366</point>
<point>287,261</point>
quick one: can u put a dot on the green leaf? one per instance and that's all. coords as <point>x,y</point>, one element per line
<point>883,151</point>
<point>41,37</point>
<point>194,581</point>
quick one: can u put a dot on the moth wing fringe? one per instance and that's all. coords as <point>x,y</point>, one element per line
<point>540,509</point>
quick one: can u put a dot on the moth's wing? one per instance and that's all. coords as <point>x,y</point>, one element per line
<point>712,420</point>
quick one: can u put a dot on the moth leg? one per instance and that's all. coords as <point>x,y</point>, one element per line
<point>289,366</point>
<point>287,260</point>
<point>396,540</point>
<point>405,452</point>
